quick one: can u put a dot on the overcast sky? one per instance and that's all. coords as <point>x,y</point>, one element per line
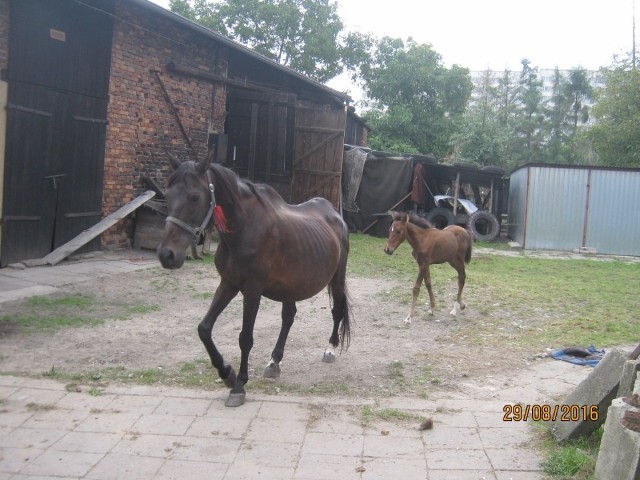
<point>497,34</point>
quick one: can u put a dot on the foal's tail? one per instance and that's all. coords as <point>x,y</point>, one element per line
<point>467,254</point>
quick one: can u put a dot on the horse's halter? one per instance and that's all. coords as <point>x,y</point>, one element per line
<point>197,231</point>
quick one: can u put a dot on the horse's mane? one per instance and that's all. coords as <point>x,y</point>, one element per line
<point>420,221</point>
<point>232,186</point>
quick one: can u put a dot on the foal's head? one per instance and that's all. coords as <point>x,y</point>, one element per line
<point>188,204</point>
<point>397,231</point>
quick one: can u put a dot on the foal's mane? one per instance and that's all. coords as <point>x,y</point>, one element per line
<point>420,221</point>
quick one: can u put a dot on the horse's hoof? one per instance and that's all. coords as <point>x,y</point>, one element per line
<point>272,371</point>
<point>328,357</point>
<point>230,381</point>
<point>235,399</point>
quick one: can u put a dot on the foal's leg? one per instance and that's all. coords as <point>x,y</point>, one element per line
<point>427,282</point>
<point>461,278</point>
<point>416,292</point>
<point>288,313</point>
<point>224,294</point>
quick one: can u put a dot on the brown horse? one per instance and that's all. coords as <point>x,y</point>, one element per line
<point>267,248</point>
<point>431,246</point>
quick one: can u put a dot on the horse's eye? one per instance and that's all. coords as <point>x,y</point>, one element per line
<point>194,197</point>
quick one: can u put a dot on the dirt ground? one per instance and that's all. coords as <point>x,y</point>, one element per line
<point>150,319</point>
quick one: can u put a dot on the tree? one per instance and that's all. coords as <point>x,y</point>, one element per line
<point>417,101</point>
<point>531,116</point>
<point>305,35</point>
<point>557,118</point>
<point>616,135</point>
<point>479,139</point>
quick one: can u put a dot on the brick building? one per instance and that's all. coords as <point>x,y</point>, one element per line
<point>97,91</point>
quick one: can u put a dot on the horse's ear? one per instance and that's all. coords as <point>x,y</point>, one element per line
<point>404,217</point>
<point>203,164</point>
<point>173,160</point>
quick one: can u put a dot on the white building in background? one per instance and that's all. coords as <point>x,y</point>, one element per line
<point>547,76</point>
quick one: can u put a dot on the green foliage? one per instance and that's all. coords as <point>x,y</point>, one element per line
<point>418,102</point>
<point>616,135</point>
<point>305,35</point>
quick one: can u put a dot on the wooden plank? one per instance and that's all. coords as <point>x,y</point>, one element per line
<point>85,237</point>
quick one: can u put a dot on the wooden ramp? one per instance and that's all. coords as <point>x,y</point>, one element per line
<point>85,237</point>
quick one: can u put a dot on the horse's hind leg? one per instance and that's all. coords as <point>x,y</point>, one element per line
<point>340,313</point>
<point>461,279</point>
<point>273,367</point>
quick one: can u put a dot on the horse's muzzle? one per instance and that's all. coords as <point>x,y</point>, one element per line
<point>168,258</point>
<point>388,251</point>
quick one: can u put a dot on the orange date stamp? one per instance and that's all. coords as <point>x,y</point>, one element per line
<point>550,413</point>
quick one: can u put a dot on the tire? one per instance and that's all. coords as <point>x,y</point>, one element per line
<point>483,225</point>
<point>440,217</point>
<point>470,165</point>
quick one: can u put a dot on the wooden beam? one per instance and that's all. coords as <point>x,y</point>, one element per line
<point>85,237</point>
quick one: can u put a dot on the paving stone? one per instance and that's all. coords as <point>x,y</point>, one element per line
<point>108,422</point>
<point>505,437</point>
<point>161,424</point>
<point>116,466</point>
<point>13,460</point>
<point>183,406</point>
<point>87,442</point>
<point>208,427</point>
<point>513,459</point>
<point>62,464</point>
<point>461,475</point>
<point>333,444</point>
<point>180,469</point>
<point>320,467</point>
<point>272,454</point>
<point>457,459</point>
<point>197,449</point>
<point>451,437</point>
<point>387,446</point>
<point>284,430</point>
<point>248,471</point>
<point>388,468</point>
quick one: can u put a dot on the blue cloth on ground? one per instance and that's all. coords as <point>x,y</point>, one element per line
<point>589,356</point>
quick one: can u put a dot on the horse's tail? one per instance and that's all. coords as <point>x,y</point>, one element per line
<point>340,295</point>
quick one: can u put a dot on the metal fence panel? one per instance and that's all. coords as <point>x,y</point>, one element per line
<point>556,208</point>
<point>517,205</point>
<point>613,221</point>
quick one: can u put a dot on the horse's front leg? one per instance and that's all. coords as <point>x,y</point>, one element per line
<point>273,367</point>
<point>427,282</point>
<point>224,294</point>
<point>415,292</point>
<point>251,304</point>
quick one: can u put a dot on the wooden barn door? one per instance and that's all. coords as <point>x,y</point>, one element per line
<point>260,137</point>
<point>58,79</point>
<point>318,147</point>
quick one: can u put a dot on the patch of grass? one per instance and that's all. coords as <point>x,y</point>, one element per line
<point>51,313</point>
<point>572,460</point>
<point>372,412</point>
<point>532,302</point>
<point>142,309</point>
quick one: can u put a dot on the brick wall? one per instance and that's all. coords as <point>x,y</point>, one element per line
<point>142,125</point>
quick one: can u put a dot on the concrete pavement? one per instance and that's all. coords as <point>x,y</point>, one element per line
<point>52,430</point>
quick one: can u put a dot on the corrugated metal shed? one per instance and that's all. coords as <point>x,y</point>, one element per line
<point>562,207</point>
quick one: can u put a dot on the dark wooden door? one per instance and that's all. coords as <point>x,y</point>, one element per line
<point>56,121</point>
<point>319,144</point>
<point>260,137</point>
